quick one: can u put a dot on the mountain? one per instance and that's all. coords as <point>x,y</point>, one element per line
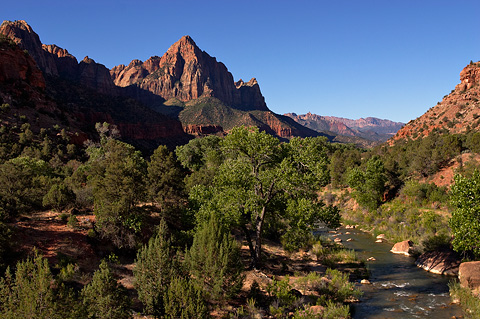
<point>184,92</point>
<point>370,128</point>
<point>189,84</point>
<point>458,112</point>
<point>48,86</point>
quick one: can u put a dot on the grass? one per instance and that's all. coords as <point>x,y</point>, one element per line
<point>469,302</point>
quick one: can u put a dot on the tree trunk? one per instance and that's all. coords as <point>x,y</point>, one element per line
<point>258,236</point>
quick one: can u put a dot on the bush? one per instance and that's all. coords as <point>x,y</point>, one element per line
<point>184,300</point>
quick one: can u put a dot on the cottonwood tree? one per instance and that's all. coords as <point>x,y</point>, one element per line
<point>259,178</point>
<point>465,220</point>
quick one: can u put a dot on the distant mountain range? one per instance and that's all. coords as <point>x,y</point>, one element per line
<point>370,128</point>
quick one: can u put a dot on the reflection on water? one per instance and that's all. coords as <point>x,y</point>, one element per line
<point>399,289</point>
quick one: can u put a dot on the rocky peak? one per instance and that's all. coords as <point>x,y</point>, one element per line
<point>187,73</point>
<point>458,112</point>
<point>24,36</point>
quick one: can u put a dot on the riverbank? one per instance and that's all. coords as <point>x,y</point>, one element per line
<point>398,288</point>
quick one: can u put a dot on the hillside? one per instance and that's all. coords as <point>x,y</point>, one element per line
<point>458,112</point>
<point>370,128</point>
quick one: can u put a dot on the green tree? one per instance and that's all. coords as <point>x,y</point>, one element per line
<point>117,175</point>
<point>165,179</point>
<point>465,220</point>
<point>369,184</point>
<point>259,176</point>
<point>104,298</point>
<point>213,261</point>
<point>29,293</point>
<point>154,268</point>
<point>184,300</point>
<point>59,197</point>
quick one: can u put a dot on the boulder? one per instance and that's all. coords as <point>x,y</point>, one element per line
<point>439,262</point>
<point>469,274</point>
<point>365,282</point>
<point>381,236</point>
<point>338,240</point>
<point>404,247</point>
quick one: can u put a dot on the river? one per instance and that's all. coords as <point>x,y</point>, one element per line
<point>399,289</point>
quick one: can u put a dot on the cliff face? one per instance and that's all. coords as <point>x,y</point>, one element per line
<point>458,112</point>
<point>55,61</point>
<point>187,73</point>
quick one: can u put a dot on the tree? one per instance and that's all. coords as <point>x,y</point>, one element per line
<point>59,197</point>
<point>258,178</point>
<point>184,300</point>
<point>116,174</point>
<point>213,261</point>
<point>165,179</point>
<point>154,268</point>
<point>104,298</point>
<point>369,184</point>
<point>465,220</point>
<point>29,293</point>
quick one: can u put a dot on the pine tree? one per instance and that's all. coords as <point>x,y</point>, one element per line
<point>153,271</point>
<point>214,261</point>
<point>104,298</point>
<point>184,300</point>
<point>29,293</point>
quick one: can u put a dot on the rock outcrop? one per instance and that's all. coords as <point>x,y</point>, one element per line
<point>439,262</point>
<point>187,73</point>
<point>457,113</point>
<point>56,61</point>
<point>404,248</point>
<point>469,275</point>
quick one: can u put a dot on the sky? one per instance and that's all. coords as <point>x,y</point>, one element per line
<point>391,59</point>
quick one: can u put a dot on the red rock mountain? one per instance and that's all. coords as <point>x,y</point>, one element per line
<point>370,128</point>
<point>186,73</point>
<point>458,112</point>
<point>185,83</point>
<point>75,94</point>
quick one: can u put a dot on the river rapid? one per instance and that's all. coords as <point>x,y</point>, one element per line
<point>398,288</point>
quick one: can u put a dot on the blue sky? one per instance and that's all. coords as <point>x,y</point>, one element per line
<point>384,58</point>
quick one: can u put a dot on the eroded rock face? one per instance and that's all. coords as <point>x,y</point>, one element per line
<point>439,262</point>
<point>56,61</point>
<point>186,73</point>
<point>404,247</point>
<point>15,65</point>
<point>201,130</point>
<point>469,275</point>
<point>22,34</point>
<point>456,113</point>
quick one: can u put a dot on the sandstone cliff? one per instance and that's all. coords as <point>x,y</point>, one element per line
<point>187,73</point>
<point>458,112</point>
<point>55,61</point>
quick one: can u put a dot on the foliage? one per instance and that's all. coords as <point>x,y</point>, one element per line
<point>165,178</point>
<point>281,291</point>
<point>369,184</point>
<point>117,174</point>
<point>265,183</point>
<point>465,221</point>
<point>213,261</point>
<point>153,271</point>
<point>103,297</point>
<point>184,300</point>
<point>29,293</point>
<point>59,197</point>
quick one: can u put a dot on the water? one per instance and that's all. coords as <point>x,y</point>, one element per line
<point>399,289</point>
